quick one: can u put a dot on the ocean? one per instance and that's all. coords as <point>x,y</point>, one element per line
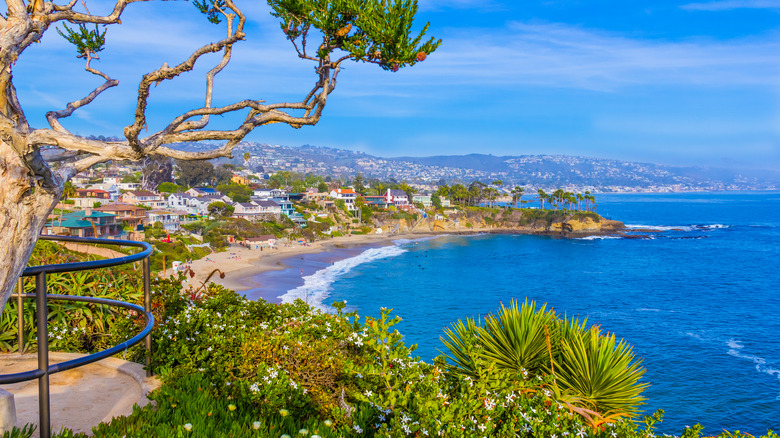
<point>698,300</point>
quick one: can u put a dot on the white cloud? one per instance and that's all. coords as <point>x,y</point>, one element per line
<point>561,56</point>
<point>726,5</point>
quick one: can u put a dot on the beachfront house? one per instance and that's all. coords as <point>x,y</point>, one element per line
<point>425,200</point>
<point>397,198</point>
<point>346,195</point>
<point>264,241</point>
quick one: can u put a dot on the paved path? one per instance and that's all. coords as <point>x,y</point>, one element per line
<point>81,398</point>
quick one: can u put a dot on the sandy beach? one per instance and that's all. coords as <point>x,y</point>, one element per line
<point>240,264</point>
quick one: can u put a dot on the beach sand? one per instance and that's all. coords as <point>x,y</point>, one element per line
<point>240,264</point>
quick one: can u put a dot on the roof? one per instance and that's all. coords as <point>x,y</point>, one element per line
<point>119,207</point>
<point>142,193</point>
<point>267,203</point>
<point>396,192</point>
<point>72,223</point>
<point>346,191</point>
<point>263,238</point>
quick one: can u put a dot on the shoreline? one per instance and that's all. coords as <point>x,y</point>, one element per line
<point>241,265</point>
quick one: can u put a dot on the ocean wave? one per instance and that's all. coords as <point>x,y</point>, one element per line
<point>597,237</point>
<point>400,242</point>
<point>713,226</point>
<point>660,227</point>
<point>317,287</point>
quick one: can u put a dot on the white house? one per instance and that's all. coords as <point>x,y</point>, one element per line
<point>346,195</point>
<point>396,197</point>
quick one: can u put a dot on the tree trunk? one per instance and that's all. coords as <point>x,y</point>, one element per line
<point>24,207</point>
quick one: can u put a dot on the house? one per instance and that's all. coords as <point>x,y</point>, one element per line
<point>87,198</point>
<point>93,193</point>
<point>346,195</point>
<point>145,198</point>
<point>170,219</point>
<point>112,189</point>
<point>197,205</point>
<point>396,197</point>
<point>266,240</point>
<point>270,193</point>
<point>247,210</point>
<point>376,201</point>
<point>425,200</point>
<point>201,191</point>
<point>126,214</point>
<point>444,201</point>
<point>238,179</point>
<point>84,223</point>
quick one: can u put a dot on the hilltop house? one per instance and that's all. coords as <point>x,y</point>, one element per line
<point>143,197</point>
<point>170,219</point>
<point>126,214</point>
<point>84,223</point>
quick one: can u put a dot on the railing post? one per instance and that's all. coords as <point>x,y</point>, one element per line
<point>42,312</point>
<point>20,312</point>
<point>148,308</point>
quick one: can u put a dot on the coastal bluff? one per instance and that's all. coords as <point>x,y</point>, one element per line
<point>522,221</point>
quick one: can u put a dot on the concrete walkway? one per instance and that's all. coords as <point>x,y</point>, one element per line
<point>83,397</point>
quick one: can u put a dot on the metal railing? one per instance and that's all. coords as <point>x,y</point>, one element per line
<point>41,298</point>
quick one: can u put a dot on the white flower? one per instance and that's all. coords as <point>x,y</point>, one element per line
<point>256,425</point>
<point>357,429</point>
<point>187,427</point>
<point>368,393</point>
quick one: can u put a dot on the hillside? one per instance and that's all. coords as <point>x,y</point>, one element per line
<point>547,172</point>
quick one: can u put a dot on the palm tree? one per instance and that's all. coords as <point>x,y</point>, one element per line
<point>580,198</point>
<point>517,193</point>
<point>542,197</point>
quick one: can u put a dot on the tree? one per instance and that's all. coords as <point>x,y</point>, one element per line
<point>324,32</point>
<point>358,184</point>
<point>517,193</point>
<point>322,187</point>
<point>155,171</point>
<point>194,173</point>
<point>220,209</point>
<point>168,187</point>
<point>542,197</point>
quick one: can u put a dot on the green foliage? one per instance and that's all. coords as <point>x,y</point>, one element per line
<point>169,187</point>
<point>592,373</point>
<point>373,31</point>
<point>87,41</point>
<point>236,192</point>
<point>211,9</point>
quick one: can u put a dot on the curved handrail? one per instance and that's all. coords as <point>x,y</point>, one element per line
<point>88,359</point>
<point>94,264</point>
<point>40,273</point>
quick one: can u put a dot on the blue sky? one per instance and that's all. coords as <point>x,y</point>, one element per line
<point>678,83</point>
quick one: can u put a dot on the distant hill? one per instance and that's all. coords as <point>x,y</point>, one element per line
<point>532,171</point>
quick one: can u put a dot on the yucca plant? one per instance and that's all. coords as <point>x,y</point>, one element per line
<point>600,370</point>
<point>516,338</point>
<point>461,341</point>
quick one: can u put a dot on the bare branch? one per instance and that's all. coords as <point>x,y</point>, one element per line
<point>77,17</point>
<point>164,73</point>
<point>67,7</point>
<point>54,116</point>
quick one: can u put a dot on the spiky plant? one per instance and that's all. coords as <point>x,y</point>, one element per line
<point>602,371</point>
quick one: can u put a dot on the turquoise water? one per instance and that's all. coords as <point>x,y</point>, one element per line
<point>699,301</point>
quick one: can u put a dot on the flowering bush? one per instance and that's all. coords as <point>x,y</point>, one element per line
<point>238,368</point>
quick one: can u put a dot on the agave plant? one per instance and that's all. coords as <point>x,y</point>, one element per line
<point>600,370</point>
<point>461,341</point>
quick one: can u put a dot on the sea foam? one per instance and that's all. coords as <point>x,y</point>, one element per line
<point>317,287</point>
